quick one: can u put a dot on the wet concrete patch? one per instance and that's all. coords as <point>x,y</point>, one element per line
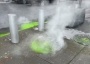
<point>24,60</point>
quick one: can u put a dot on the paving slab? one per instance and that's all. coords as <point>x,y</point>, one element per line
<point>83,57</point>
<point>66,55</point>
<point>24,60</point>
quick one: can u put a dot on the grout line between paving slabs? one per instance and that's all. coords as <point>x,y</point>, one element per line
<point>70,60</point>
<point>44,60</point>
<point>76,55</point>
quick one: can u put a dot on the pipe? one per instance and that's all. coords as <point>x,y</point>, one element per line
<point>13,28</point>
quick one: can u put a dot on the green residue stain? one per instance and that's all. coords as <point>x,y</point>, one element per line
<point>82,40</point>
<point>85,39</point>
<point>24,27</point>
<point>2,35</point>
<point>29,25</point>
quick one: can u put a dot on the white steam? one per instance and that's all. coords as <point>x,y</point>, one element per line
<point>86,4</point>
<point>64,15</point>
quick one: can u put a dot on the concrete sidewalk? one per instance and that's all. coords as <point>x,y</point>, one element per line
<point>20,54</point>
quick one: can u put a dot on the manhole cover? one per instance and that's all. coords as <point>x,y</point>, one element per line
<point>82,39</point>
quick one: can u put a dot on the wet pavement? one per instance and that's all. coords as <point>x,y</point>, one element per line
<point>85,27</point>
<point>21,54</point>
<point>83,57</point>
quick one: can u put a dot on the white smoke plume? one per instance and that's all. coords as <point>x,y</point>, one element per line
<point>86,4</point>
<point>65,14</point>
<point>56,27</point>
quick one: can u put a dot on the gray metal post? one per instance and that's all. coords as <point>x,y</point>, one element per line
<point>80,3</point>
<point>41,18</point>
<point>13,28</point>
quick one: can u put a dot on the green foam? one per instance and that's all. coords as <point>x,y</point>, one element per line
<point>42,48</point>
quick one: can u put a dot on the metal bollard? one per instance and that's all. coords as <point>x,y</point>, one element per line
<point>41,18</point>
<point>13,28</point>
